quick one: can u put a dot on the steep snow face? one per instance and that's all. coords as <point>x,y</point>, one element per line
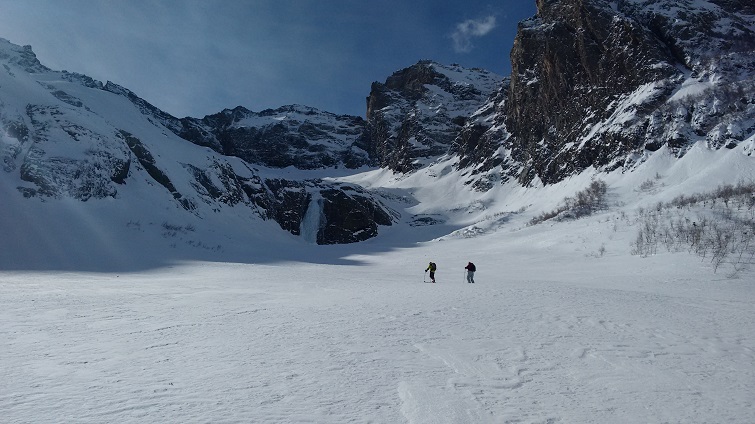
<point>480,147</point>
<point>714,99</point>
<point>417,113</point>
<point>63,138</point>
<point>66,136</point>
<point>21,57</point>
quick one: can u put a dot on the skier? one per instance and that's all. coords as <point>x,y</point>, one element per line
<point>470,272</point>
<point>431,267</point>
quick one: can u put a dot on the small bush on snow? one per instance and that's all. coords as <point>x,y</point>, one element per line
<point>584,203</point>
<point>719,226</point>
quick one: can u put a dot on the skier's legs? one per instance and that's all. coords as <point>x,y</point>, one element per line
<point>470,276</point>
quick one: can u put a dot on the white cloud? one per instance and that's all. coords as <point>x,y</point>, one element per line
<point>469,29</point>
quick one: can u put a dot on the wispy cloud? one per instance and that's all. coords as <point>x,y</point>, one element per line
<point>469,29</point>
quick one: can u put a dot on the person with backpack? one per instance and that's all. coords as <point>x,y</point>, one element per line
<point>470,272</point>
<point>432,267</point>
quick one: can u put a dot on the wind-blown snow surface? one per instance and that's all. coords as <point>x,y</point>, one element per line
<point>562,325</point>
<point>549,333</point>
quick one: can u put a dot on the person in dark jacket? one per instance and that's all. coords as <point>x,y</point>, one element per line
<point>470,272</point>
<point>431,267</point>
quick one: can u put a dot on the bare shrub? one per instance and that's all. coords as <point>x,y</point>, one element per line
<point>651,184</point>
<point>584,203</point>
<point>723,231</point>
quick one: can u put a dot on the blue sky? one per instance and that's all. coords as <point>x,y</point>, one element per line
<point>193,58</point>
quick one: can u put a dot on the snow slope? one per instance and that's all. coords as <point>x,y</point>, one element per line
<point>564,324</point>
<point>548,333</point>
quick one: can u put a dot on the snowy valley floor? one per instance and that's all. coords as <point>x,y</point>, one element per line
<point>551,332</point>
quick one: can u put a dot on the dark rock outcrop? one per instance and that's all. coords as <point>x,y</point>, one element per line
<point>480,145</point>
<point>298,136</point>
<point>324,213</point>
<point>350,215</point>
<point>419,111</point>
<point>571,66</point>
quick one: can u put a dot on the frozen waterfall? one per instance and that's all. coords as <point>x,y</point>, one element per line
<point>310,224</point>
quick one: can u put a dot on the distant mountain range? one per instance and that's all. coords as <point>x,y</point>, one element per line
<point>595,85</point>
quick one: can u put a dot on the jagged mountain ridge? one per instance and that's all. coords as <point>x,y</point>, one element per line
<point>293,135</point>
<point>598,84</point>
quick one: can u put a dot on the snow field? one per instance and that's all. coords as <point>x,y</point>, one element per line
<point>550,333</point>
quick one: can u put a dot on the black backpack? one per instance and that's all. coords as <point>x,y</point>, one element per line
<point>471,267</point>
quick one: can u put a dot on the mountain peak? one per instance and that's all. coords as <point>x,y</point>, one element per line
<point>21,56</point>
<point>417,113</point>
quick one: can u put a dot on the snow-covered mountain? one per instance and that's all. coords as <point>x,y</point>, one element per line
<point>67,136</point>
<point>597,87</point>
<point>156,269</point>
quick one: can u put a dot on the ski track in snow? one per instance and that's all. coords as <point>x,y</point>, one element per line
<point>246,343</point>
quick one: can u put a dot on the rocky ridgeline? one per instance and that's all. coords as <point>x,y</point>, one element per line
<point>298,136</point>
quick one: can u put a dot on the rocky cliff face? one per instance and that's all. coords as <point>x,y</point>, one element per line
<point>480,145</point>
<point>298,136</point>
<point>418,112</point>
<point>320,212</point>
<point>597,83</point>
<point>594,83</point>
